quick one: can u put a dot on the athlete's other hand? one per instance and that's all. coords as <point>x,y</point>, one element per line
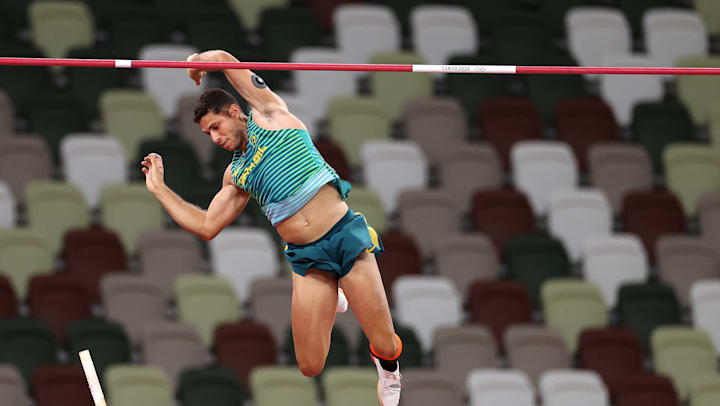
<point>195,74</point>
<point>154,172</point>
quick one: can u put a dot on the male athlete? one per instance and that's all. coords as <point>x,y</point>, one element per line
<point>328,244</point>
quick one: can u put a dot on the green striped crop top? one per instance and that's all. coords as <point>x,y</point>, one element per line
<point>282,170</point>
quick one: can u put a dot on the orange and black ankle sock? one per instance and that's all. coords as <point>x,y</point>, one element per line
<point>389,364</point>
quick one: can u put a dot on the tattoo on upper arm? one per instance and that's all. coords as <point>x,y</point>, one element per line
<point>258,82</point>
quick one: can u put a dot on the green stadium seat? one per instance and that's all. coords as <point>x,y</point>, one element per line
<point>55,117</point>
<point>24,84</point>
<point>699,93</point>
<point>394,89</point>
<point>367,202</point>
<point>26,344</point>
<point>86,85</point>
<point>547,90</point>
<point>691,170</point>
<point>709,10</point>
<point>473,90</point>
<point>350,386</point>
<point>635,9</point>
<point>106,341</point>
<point>522,44</point>
<point>356,120</point>
<point>215,386</point>
<point>282,386</point>
<point>643,307</point>
<point>534,258</point>
<point>705,390</point>
<point>133,25</point>
<point>655,125</point>
<point>135,385</point>
<point>130,210</point>
<point>58,26</point>
<point>24,253</point>
<point>285,29</point>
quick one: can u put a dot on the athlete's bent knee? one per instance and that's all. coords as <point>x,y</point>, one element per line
<point>311,368</point>
<point>387,348</point>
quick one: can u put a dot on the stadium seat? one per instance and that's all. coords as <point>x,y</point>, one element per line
<point>167,86</point>
<point>166,254</point>
<point>135,25</point>
<point>594,32</point>
<point>465,258</point>
<point>394,90</point>
<point>519,41</point>
<point>581,123</point>
<point>705,390</point>
<point>612,261</point>
<point>413,357</point>
<point>57,300</point>
<point>191,133</point>
<point>334,155</point>
<point>135,385</point>
<point>540,168</point>
<point>424,118</point>
<point>577,215</point>
<point>647,389</point>
<point>318,88</point>
<point>7,115</point>
<point>353,121</point>
<point>55,117</point>
<point>707,211</point>
<point>498,387</point>
<point>571,306</point>
<point>271,300</point>
<point>62,385</point>
<point>424,303</point>
<point>534,258</point>
<point>131,116</point>
<point>498,305</point>
<point>614,353</point>
<point>502,214</point>
<point>57,26</point>
<point>691,170</point>
<point>480,160</point>
<point>363,30</point>
<point>427,214</point>
<point>572,387</point>
<point>132,301</point>
<point>106,340</point>
<point>459,350</point>
<point>280,385</point>
<point>25,84</point>
<point>472,90</point>
<point>86,85</point>
<point>13,390</point>
<point>656,125</point>
<point>92,161</point>
<point>242,346</point>
<point>389,167</point>
<point>23,159</point>
<point>681,353</point>
<point>24,254</point>
<point>650,215</point>
<point>401,257</point>
<point>697,92</point>
<point>617,169</point>
<point>705,299</point>
<point>214,385</point>
<point>367,202</point>
<point>26,344</point>
<point>8,300</point>
<point>54,208</point>
<point>205,301</point>
<point>506,121</point>
<point>535,349</point>
<point>348,386</point>
<point>426,387</point>
<point>130,210</point>
<point>635,10</point>
<point>90,254</point>
<point>623,92</point>
<point>708,10</point>
<point>285,29</point>
<point>252,248</point>
<point>644,307</point>
<point>673,33</point>
<point>173,347</point>
<point>7,206</point>
<point>338,354</point>
<point>547,90</point>
<point>714,125</point>
<point>441,31</point>
<point>682,260</point>
<point>249,11</point>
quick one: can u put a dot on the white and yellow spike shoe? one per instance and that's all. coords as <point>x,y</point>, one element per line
<point>342,303</point>
<point>388,386</point>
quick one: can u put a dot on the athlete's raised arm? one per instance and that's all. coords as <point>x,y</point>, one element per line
<point>250,86</point>
<point>227,204</point>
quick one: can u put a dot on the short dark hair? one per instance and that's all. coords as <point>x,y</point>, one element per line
<point>212,101</point>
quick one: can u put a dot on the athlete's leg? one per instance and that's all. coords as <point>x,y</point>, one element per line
<point>364,290</point>
<point>314,302</point>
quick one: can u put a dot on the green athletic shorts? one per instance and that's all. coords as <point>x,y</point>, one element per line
<point>337,250</point>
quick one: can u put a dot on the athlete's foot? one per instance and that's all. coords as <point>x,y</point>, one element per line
<point>388,387</point>
<point>342,303</point>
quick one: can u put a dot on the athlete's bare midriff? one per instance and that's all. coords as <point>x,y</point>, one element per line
<point>314,219</point>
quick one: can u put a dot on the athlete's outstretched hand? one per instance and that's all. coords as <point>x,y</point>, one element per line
<point>154,172</point>
<point>195,74</point>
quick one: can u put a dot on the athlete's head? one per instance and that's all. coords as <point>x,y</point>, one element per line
<point>220,117</point>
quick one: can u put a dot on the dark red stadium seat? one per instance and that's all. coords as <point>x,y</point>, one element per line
<point>498,304</point>
<point>324,9</point>
<point>61,385</point>
<point>8,300</point>
<point>57,300</point>
<point>506,120</point>
<point>647,390</point>
<point>243,346</point>
<point>502,214</point>
<point>650,215</point>
<point>615,353</point>
<point>90,254</point>
<point>401,257</point>
<point>334,155</point>
<point>583,122</point>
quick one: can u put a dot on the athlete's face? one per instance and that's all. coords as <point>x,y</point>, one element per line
<point>227,128</point>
